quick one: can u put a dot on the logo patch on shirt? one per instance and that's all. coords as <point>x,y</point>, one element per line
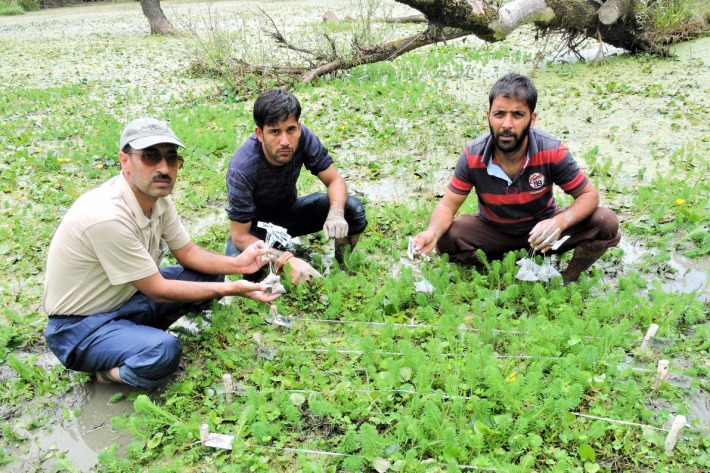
<point>537,180</point>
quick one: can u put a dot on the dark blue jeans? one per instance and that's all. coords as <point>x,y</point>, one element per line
<point>307,215</point>
<point>131,337</point>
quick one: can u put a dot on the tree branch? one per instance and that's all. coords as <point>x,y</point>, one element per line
<point>386,52</point>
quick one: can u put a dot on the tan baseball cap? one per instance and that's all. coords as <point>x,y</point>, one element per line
<point>145,132</point>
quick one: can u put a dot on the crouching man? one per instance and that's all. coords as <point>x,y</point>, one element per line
<point>513,169</point>
<point>108,300</point>
<point>261,186</point>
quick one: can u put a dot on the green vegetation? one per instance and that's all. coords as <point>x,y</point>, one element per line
<point>18,7</point>
<point>494,372</point>
<point>10,7</point>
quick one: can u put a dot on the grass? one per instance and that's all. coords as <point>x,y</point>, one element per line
<point>11,11</point>
<point>11,7</point>
<point>408,394</point>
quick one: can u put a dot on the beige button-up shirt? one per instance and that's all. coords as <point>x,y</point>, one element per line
<point>102,244</point>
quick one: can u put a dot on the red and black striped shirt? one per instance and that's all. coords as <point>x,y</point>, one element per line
<point>518,207</point>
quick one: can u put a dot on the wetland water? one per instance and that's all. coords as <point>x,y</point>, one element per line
<point>638,114</point>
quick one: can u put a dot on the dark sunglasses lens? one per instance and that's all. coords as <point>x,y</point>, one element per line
<point>153,159</point>
<point>175,161</point>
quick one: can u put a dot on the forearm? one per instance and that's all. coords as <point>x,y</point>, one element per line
<point>582,207</point>
<point>241,241</point>
<point>441,219</point>
<point>188,291</point>
<point>204,261</point>
<point>337,196</point>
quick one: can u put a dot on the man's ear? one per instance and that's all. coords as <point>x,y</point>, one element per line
<point>533,119</point>
<point>124,158</point>
<point>488,117</point>
<point>259,134</point>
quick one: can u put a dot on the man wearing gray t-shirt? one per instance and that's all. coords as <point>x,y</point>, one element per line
<point>108,300</point>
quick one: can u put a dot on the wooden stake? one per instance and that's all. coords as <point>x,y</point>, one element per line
<point>662,372</point>
<point>204,433</point>
<point>274,310</point>
<point>228,386</point>
<point>649,335</point>
<point>462,328</point>
<point>672,438</point>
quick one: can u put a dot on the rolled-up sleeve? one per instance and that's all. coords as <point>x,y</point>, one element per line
<point>240,197</point>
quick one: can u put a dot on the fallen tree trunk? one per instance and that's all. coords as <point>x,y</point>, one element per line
<point>614,23</point>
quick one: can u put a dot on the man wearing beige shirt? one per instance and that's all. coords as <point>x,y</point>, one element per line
<point>108,300</point>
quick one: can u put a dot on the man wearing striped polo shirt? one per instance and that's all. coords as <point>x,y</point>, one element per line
<point>512,169</point>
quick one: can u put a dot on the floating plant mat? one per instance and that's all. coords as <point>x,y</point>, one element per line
<point>534,360</point>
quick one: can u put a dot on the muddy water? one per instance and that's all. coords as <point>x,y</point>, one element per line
<point>81,438</point>
<point>689,276</point>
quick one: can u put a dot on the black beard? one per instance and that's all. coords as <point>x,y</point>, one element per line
<point>517,143</point>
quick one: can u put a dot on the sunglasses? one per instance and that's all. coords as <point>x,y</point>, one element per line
<point>153,158</point>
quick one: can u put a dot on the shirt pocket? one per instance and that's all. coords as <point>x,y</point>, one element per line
<point>159,253</point>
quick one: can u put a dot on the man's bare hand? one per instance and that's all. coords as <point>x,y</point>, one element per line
<point>424,242</point>
<point>298,270</point>
<point>335,226</point>
<point>546,233</point>
<point>250,290</point>
<point>250,261</point>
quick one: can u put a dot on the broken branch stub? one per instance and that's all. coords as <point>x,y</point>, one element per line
<point>615,10</point>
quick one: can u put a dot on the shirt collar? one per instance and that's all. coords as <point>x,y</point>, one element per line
<point>129,197</point>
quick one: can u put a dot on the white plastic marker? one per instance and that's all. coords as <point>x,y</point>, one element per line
<point>411,249</point>
<point>215,440</point>
<point>228,386</point>
<point>549,238</point>
<point>545,230</point>
<point>680,381</point>
<point>661,342</point>
<point>462,328</point>
<point>649,335</point>
<point>556,244</point>
<point>266,353</point>
<point>672,438</point>
<point>662,372</point>
<point>281,320</point>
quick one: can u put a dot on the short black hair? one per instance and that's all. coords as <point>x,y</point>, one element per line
<point>127,149</point>
<point>274,106</point>
<point>514,85</point>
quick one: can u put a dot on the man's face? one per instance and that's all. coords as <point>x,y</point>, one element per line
<point>280,140</point>
<point>153,181</point>
<point>510,121</point>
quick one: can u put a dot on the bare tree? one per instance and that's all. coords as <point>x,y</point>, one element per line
<point>159,23</point>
